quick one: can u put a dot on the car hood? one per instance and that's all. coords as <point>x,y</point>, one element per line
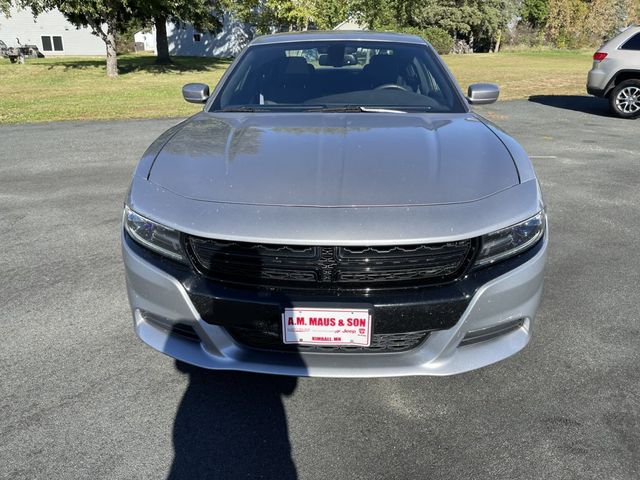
<point>334,160</point>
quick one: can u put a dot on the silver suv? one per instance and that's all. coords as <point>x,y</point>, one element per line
<point>336,209</point>
<point>616,73</point>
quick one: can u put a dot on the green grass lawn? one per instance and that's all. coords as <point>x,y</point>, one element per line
<point>527,73</point>
<point>77,88</point>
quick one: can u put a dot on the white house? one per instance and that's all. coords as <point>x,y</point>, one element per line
<point>185,40</point>
<point>351,24</point>
<point>50,31</point>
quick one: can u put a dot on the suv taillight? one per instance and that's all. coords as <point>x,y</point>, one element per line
<point>599,56</point>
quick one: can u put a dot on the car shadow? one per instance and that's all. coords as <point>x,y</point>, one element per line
<point>147,64</point>
<point>232,425</point>
<point>576,103</point>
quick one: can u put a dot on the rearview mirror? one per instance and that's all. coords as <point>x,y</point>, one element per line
<point>350,59</point>
<point>483,93</point>
<point>195,92</point>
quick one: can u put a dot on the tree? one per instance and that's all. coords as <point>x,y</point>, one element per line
<point>580,23</point>
<point>535,12</point>
<point>202,14</point>
<point>324,14</point>
<point>265,15</point>
<point>494,16</point>
<point>478,22</point>
<point>282,15</point>
<point>4,7</point>
<point>105,17</point>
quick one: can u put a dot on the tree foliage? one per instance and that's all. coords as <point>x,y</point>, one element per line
<point>204,15</point>
<point>481,21</point>
<point>439,39</point>
<point>476,24</point>
<point>535,12</point>
<point>4,7</point>
<point>578,23</point>
<point>282,15</point>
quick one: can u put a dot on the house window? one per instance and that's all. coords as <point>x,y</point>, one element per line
<point>46,44</point>
<point>196,37</point>
<point>57,44</point>
<point>52,43</point>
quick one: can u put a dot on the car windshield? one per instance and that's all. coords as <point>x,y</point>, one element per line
<point>338,76</point>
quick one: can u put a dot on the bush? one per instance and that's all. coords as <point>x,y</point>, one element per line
<point>524,36</point>
<point>437,37</point>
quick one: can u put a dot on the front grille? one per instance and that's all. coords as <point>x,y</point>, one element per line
<point>380,343</point>
<point>267,265</point>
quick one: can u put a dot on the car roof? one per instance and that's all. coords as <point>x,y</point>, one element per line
<point>357,35</point>
<point>625,33</point>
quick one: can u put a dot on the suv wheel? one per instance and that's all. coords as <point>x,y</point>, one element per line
<point>624,99</point>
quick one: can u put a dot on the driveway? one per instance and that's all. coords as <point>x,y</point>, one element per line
<point>81,397</point>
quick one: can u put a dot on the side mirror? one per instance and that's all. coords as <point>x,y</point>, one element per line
<point>195,92</point>
<point>483,93</point>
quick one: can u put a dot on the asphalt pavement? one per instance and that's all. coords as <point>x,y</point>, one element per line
<point>82,397</point>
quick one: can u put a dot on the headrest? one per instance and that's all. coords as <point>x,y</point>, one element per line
<point>384,61</point>
<point>296,66</point>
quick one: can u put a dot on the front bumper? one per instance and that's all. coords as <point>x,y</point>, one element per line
<point>512,296</point>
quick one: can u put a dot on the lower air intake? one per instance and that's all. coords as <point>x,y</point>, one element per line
<point>380,343</point>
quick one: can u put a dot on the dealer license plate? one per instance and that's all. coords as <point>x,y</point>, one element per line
<point>326,326</point>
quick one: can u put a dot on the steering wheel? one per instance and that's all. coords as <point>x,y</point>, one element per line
<point>391,86</point>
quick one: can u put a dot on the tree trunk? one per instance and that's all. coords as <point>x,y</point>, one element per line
<point>498,40</point>
<point>112,59</point>
<point>162,44</point>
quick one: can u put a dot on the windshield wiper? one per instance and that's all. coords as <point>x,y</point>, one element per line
<point>272,108</point>
<point>338,109</point>
<point>245,108</point>
<point>325,108</point>
<point>361,108</point>
<point>381,110</point>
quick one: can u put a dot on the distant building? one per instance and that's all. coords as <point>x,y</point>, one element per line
<point>350,24</point>
<point>50,32</point>
<point>185,40</point>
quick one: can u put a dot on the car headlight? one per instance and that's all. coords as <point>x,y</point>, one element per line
<point>156,237</point>
<point>511,240</point>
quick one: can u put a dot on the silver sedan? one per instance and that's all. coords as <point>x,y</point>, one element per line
<point>336,209</point>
